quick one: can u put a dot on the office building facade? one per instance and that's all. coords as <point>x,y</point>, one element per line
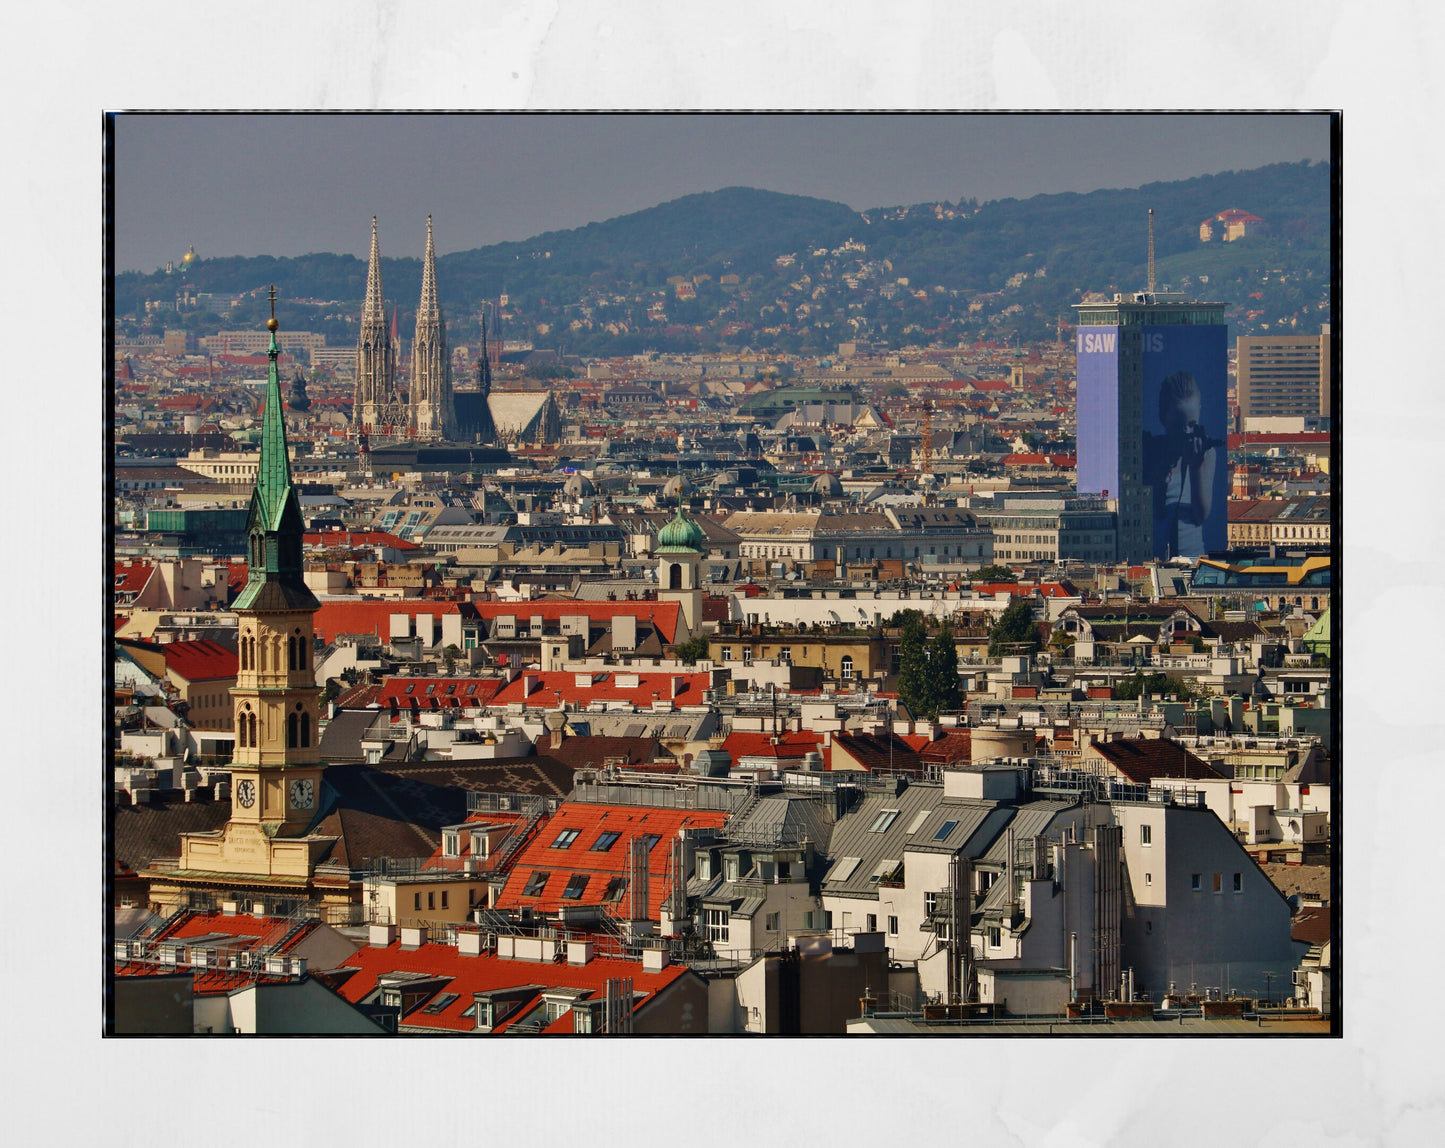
<point>1283,376</point>
<point>1152,420</point>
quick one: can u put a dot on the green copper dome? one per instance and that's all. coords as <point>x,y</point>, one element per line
<point>681,536</point>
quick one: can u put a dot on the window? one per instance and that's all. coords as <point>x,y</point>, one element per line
<point>565,839</point>
<point>727,653</point>
<point>944,830</point>
<point>730,868</point>
<point>615,888</point>
<point>872,921</point>
<point>444,898</point>
<point>883,821</point>
<point>1219,882</point>
<point>605,842</point>
<point>770,923</point>
<point>648,840</point>
<point>808,919</point>
<point>1239,882</point>
<point>576,886</point>
<point>715,921</point>
<point>416,901</point>
<point>995,937</point>
<point>887,871</point>
<point>1148,926</point>
<point>1146,835</point>
<point>847,670</point>
<point>431,900</point>
<point>451,844</point>
<point>1148,878</point>
<point>785,653</point>
<point>893,926</point>
<point>535,884</point>
<point>1195,882</point>
<point>930,903</point>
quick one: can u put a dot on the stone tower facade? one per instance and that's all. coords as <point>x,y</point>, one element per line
<point>432,413</point>
<point>268,848</point>
<point>374,403</point>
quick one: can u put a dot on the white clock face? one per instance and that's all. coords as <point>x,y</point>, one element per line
<point>246,793</point>
<point>303,794</point>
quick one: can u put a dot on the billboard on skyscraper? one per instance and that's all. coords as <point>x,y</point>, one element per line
<point>1185,448</point>
<point>1097,429</point>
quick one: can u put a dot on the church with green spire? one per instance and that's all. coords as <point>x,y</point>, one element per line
<point>269,844</point>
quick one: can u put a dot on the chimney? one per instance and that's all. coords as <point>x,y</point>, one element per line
<point>529,683</point>
<point>679,683</point>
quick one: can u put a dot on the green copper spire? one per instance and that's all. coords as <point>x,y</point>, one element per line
<point>274,576</point>
<point>273,477</point>
<point>681,536</point>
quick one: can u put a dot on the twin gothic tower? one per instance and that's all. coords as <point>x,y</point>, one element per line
<point>429,410</point>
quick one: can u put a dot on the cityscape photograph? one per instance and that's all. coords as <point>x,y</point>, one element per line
<point>695,575</point>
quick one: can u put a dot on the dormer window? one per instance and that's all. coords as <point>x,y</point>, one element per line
<point>451,843</point>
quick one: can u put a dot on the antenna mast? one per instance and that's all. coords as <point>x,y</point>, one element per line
<point>1151,251</point>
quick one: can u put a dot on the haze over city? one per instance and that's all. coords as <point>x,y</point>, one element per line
<point>294,184</point>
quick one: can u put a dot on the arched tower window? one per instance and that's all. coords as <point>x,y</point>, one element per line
<point>241,731</point>
<point>292,731</point>
<point>674,576</point>
<point>291,654</point>
<point>251,721</point>
<point>305,730</point>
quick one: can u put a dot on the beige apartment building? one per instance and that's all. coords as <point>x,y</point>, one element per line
<point>1283,376</point>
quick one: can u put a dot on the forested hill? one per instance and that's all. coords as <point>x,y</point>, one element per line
<point>810,273</point>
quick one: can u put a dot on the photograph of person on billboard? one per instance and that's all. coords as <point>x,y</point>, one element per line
<point>1180,465</point>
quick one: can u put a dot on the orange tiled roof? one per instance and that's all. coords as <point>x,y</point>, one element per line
<point>791,744</point>
<point>201,661</point>
<point>467,975</point>
<point>554,688</point>
<point>605,869</point>
<point>437,693</point>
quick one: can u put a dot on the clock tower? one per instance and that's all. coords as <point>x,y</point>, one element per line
<point>276,771</point>
<point>270,847</point>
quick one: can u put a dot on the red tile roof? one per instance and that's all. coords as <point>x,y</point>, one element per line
<point>354,538</point>
<point>1064,461</point>
<point>201,661</point>
<point>601,868</point>
<point>262,932</point>
<point>207,982</point>
<point>467,975</point>
<point>1143,759</point>
<point>130,578</point>
<point>791,744</point>
<point>373,617</point>
<point>551,689</point>
<point>436,693</point>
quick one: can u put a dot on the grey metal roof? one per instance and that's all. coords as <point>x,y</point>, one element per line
<point>1030,820</point>
<point>978,823</point>
<point>853,837</point>
<point>784,819</point>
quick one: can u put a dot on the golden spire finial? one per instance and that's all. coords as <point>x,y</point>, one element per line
<point>271,323</point>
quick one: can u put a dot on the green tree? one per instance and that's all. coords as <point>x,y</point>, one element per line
<point>913,664</point>
<point>1130,689</point>
<point>994,574</point>
<point>941,676</point>
<point>1015,631</point>
<point>692,650</point>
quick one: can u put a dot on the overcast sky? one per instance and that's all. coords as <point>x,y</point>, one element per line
<point>292,184</point>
